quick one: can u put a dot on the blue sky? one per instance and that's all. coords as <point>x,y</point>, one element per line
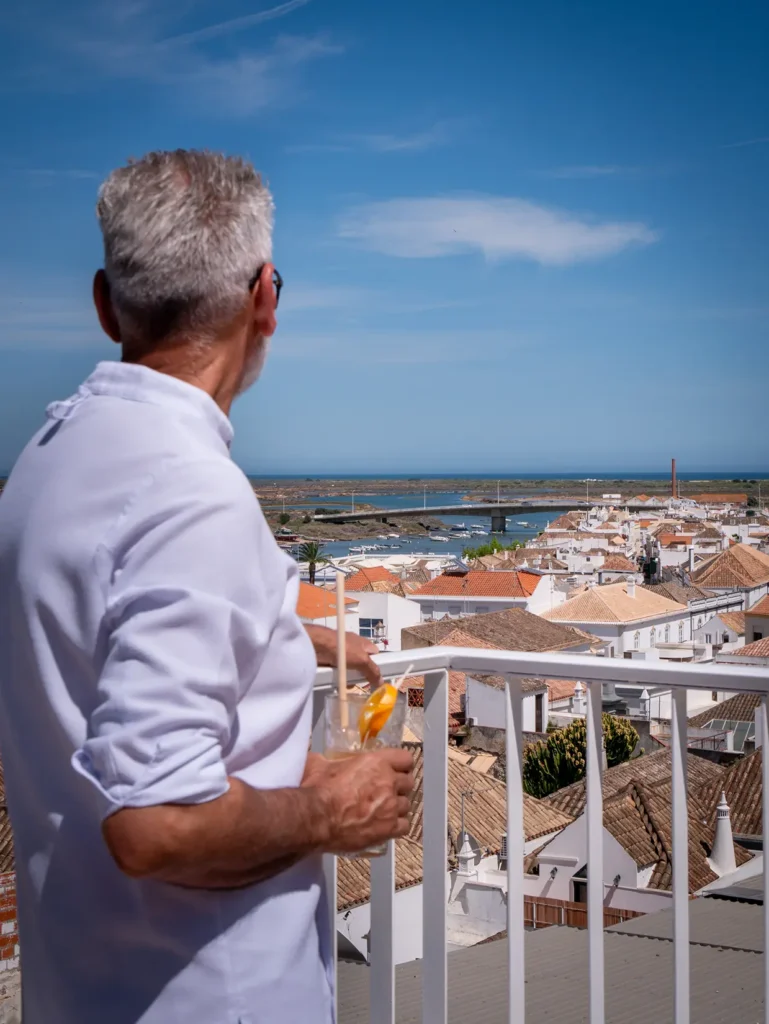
<point>523,237</point>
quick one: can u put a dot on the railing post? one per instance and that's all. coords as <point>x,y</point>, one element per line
<point>515,852</point>
<point>679,732</point>
<point>762,738</point>
<point>381,944</point>
<point>435,784</point>
<point>329,860</point>
<point>593,785</point>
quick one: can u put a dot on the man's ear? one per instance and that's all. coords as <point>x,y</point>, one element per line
<point>264,302</point>
<point>104,310</point>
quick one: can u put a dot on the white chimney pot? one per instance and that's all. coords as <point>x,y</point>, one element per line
<point>630,588</point>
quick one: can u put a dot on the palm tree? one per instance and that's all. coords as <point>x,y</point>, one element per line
<point>312,553</point>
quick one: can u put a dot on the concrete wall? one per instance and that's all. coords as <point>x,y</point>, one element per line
<point>438,607</point>
<point>486,704</point>
<point>10,975</point>
<point>396,612</point>
<point>568,853</point>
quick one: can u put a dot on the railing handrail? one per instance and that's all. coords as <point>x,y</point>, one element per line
<point>583,667</point>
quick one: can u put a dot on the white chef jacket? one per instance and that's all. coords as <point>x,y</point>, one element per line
<point>149,649</point>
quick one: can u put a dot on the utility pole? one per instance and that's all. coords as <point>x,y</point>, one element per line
<point>498,483</point>
<point>587,491</point>
<point>353,501</point>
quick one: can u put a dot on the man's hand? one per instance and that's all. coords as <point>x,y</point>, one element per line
<point>359,651</point>
<point>366,796</point>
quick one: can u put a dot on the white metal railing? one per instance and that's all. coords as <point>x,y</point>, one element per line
<point>434,663</point>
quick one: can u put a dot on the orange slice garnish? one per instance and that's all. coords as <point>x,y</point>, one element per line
<point>376,711</point>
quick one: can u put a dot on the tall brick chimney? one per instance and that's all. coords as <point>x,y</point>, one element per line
<point>674,479</point>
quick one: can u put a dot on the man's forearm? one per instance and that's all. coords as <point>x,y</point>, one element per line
<point>243,837</point>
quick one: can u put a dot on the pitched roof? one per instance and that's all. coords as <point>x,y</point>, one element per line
<point>742,785</point>
<point>677,592</point>
<point>738,566</point>
<point>486,813</point>
<point>740,708</point>
<point>6,836</point>
<point>640,497</point>
<point>649,769</point>
<point>513,629</point>
<point>640,819</point>
<point>758,649</point>
<point>478,583</point>
<point>316,603</point>
<point>567,521</point>
<point>734,621</point>
<point>366,576</point>
<point>485,820</point>
<point>669,540</point>
<point>618,563</point>
<point>761,608</point>
<point>560,689</point>
<point>611,603</point>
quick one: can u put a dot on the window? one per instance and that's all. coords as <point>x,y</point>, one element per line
<point>757,635</point>
<point>699,622</point>
<point>372,629</point>
<point>637,640</point>
<point>667,633</point>
<point>680,632</point>
<point>539,708</point>
<point>454,609</point>
<point>725,638</point>
<point>653,637</point>
<point>708,638</point>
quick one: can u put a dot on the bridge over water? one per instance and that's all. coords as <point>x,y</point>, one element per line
<point>499,512</point>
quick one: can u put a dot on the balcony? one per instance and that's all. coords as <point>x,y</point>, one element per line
<point>424,987</point>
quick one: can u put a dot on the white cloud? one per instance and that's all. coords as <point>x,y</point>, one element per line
<point>588,171</point>
<point>747,142</point>
<point>500,228</point>
<point>49,321</point>
<point>135,41</point>
<point>381,142</point>
<point>224,28</point>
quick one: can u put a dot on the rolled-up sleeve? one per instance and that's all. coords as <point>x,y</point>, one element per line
<point>187,620</point>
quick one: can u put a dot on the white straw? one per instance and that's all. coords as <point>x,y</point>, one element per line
<point>341,652</point>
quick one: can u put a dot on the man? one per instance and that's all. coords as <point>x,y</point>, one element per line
<point>155,682</point>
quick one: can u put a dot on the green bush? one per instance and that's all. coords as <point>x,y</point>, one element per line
<point>284,518</point>
<point>561,759</point>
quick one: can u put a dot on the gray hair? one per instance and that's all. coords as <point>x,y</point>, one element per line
<point>184,234</point>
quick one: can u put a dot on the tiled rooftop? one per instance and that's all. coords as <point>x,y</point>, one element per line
<point>612,603</point>
<point>734,621</point>
<point>738,566</point>
<point>366,576</point>
<point>316,603</point>
<point>761,608</point>
<point>758,649</point>
<point>742,784</point>
<point>477,583</point>
<point>649,769</point>
<point>740,708</point>
<point>513,629</point>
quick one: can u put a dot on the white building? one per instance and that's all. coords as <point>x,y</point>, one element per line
<point>477,591</point>
<point>486,703</point>
<point>317,607</point>
<point>631,619</point>
<point>382,616</point>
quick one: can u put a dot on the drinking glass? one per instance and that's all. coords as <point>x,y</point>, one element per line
<point>342,737</point>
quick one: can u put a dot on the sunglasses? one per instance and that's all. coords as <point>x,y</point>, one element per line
<point>277,282</point>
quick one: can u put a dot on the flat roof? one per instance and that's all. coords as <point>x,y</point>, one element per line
<point>726,982</point>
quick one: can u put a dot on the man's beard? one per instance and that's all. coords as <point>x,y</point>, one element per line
<point>254,364</point>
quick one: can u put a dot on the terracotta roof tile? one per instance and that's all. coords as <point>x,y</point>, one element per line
<point>719,499</point>
<point>612,603</point>
<point>738,566</point>
<point>485,820</point>
<point>649,769</point>
<point>758,649</point>
<point>740,708</point>
<point>734,621</point>
<point>618,563</point>
<point>742,785</point>
<point>316,603</point>
<point>513,629</point>
<point>366,576</point>
<point>762,608</point>
<point>677,592</point>
<point>477,583</point>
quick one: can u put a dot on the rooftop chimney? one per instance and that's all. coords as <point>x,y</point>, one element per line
<point>722,859</point>
<point>630,588</point>
<point>674,480</point>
